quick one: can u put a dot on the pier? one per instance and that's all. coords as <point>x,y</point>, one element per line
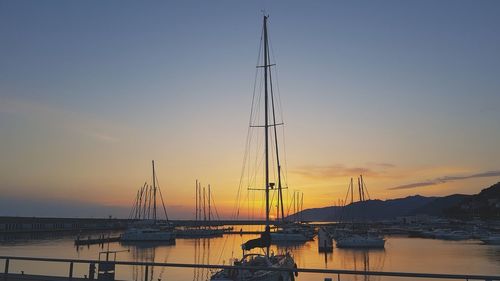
<point>42,224</point>
<point>329,274</point>
<point>99,240</point>
<point>325,242</point>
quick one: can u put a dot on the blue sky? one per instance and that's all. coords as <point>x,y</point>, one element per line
<point>91,91</point>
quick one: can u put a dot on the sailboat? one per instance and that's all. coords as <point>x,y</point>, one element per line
<point>147,226</point>
<point>204,227</point>
<point>361,237</point>
<point>292,231</point>
<point>267,259</point>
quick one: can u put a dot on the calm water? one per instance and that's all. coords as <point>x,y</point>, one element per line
<point>400,254</point>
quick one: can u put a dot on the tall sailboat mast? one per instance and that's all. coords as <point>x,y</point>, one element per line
<point>209,211</point>
<point>196,199</point>
<point>154,191</point>
<point>266,124</point>
<point>278,164</point>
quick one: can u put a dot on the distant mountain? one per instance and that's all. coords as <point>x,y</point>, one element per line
<point>369,210</point>
<point>439,206</point>
<point>485,204</point>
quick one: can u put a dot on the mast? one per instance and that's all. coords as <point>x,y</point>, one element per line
<point>196,200</point>
<point>363,187</point>
<point>352,192</point>
<point>360,192</point>
<point>154,191</point>
<point>266,124</point>
<point>150,189</point>
<point>199,201</point>
<point>209,217</point>
<point>297,215</point>
<point>280,189</point>
<point>204,209</point>
<point>302,207</point>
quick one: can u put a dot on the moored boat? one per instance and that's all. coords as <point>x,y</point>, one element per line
<point>147,226</point>
<point>360,241</point>
<point>267,261</point>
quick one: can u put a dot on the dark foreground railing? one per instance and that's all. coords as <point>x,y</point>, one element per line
<point>336,272</point>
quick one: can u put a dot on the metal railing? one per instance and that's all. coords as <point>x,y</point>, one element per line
<point>336,272</point>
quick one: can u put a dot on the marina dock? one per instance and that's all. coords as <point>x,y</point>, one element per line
<point>100,240</point>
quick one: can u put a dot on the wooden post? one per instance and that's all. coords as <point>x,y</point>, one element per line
<point>146,273</point>
<point>91,271</point>
<point>70,270</point>
<point>6,269</point>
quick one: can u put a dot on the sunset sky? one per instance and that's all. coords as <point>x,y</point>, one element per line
<point>406,93</point>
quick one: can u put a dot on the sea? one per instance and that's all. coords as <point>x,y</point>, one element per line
<point>401,254</point>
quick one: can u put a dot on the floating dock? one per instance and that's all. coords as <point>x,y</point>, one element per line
<point>325,241</point>
<point>99,240</point>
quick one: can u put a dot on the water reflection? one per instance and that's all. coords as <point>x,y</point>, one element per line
<point>146,252</point>
<point>201,256</point>
<point>493,252</point>
<point>401,254</point>
<point>363,260</point>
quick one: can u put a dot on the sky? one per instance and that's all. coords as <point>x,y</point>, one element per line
<point>404,92</point>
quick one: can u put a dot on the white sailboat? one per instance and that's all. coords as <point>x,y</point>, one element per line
<point>360,241</point>
<point>204,227</point>
<point>358,238</point>
<point>147,227</point>
<point>266,260</point>
<point>288,231</point>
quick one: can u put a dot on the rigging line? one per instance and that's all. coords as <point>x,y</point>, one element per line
<point>134,207</point>
<point>280,192</point>
<point>223,247</point>
<point>290,203</point>
<point>341,217</point>
<point>365,188</point>
<point>146,200</point>
<point>271,203</point>
<point>262,209</point>
<point>280,109</point>
<point>259,143</point>
<point>132,211</point>
<point>161,197</point>
<point>142,212</point>
<point>237,211</point>
<point>256,134</point>
<point>138,209</point>
<point>254,203</point>
<point>248,206</point>
<point>214,206</point>
<point>238,196</point>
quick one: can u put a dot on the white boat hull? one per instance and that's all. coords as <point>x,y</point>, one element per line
<point>360,242</point>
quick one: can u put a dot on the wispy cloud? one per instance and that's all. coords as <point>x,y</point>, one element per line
<point>381,165</point>
<point>338,170</point>
<point>446,179</point>
<point>68,120</point>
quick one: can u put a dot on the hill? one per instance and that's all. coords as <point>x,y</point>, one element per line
<point>369,210</point>
<point>485,204</point>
